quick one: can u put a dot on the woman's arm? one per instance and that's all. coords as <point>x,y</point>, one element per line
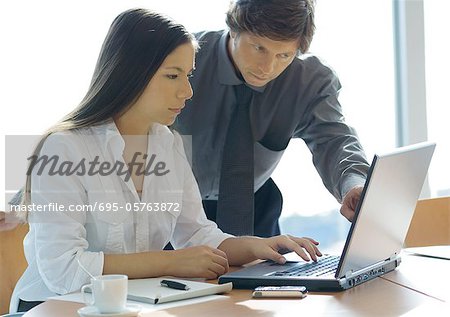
<point>205,261</point>
<point>201,261</point>
<point>242,250</point>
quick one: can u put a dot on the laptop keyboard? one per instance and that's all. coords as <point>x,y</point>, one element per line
<point>324,266</point>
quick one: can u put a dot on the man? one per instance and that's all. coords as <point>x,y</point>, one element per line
<point>293,95</point>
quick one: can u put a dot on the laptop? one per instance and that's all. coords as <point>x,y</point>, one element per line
<point>375,238</point>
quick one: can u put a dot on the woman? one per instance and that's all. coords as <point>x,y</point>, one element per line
<point>114,184</point>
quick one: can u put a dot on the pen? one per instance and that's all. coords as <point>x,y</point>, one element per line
<point>174,285</point>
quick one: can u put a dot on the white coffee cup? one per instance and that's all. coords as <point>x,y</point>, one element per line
<point>109,293</point>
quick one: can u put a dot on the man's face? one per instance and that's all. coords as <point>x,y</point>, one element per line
<point>260,59</point>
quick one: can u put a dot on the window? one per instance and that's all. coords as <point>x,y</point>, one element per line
<point>437,52</point>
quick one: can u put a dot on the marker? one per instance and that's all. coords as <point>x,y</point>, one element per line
<point>174,285</point>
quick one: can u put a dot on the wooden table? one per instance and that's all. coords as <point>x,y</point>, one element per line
<point>426,275</point>
<point>398,293</point>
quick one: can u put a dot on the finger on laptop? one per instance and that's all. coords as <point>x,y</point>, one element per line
<point>300,245</point>
<point>284,242</point>
<point>310,245</point>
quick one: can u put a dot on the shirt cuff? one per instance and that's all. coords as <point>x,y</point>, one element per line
<point>350,182</point>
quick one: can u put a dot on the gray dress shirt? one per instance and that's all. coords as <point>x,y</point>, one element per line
<point>300,103</point>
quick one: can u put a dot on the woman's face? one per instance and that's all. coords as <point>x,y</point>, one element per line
<point>166,93</point>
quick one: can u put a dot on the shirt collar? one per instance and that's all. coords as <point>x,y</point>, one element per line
<point>110,137</point>
<point>226,71</point>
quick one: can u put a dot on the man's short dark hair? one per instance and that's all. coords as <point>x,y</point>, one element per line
<point>279,20</point>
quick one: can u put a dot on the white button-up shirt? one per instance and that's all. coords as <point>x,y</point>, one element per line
<point>115,219</point>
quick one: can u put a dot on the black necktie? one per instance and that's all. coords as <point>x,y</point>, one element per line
<point>235,214</point>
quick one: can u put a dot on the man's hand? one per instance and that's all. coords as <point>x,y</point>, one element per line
<point>350,202</point>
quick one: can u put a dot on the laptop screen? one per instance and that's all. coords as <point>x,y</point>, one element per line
<point>386,207</point>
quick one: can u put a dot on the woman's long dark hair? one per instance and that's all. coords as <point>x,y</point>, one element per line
<point>136,45</point>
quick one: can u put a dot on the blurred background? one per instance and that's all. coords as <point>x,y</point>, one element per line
<point>390,55</point>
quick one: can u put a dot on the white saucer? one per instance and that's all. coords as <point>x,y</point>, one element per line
<point>92,311</point>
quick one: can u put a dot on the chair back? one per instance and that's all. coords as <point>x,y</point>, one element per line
<point>12,262</point>
<point>430,224</point>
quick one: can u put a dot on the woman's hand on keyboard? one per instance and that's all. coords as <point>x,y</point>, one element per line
<point>269,248</point>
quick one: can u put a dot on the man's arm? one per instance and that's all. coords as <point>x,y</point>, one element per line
<point>337,153</point>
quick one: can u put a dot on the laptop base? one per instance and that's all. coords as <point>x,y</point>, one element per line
<point>247,279</point>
